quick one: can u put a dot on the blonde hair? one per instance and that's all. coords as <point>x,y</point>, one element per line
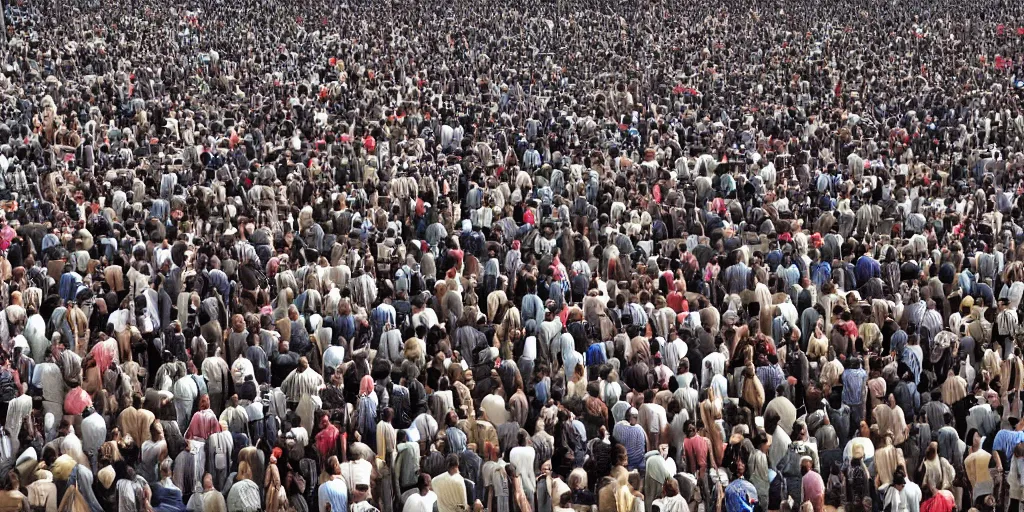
<point>110,451</point>
<point>244,472</point>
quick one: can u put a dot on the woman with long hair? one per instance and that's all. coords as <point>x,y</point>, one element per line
<point>244,495</point>
<point>277,498</point>
<point>710,413</point>
<point>753,391</point>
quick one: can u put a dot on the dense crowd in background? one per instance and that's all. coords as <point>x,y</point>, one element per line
<point>511,256</point>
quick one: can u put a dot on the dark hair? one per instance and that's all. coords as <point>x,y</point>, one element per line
<point>1018,451</point>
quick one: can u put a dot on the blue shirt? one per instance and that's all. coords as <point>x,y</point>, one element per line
<point>770,376</point>
<point>867,268</point>
<point>383,315</point>
<point>913,362</point>
<point>1006,441</point>
<point>820,273</point>
<point>69,284</point>
<point>596,354</point>
<point>456,440</point>
<point>634,439</point>
<point>335,492</point>
<point>853,386</point>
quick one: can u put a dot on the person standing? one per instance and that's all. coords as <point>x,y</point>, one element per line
<point>333,494</point>
<point>424,499</point>
<point>451,488</point>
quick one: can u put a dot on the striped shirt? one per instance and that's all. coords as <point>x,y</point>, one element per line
<point>298,383</point>
<point>382,315</point>
<point>771,377</point>
<point>634,439</point>
<point>913,362</point>
<point>244,496</point>
<point>636,311</point>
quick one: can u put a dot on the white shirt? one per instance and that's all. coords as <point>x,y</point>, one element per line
<point>655,418</point>
<point>911,495</point>
<point>530,348</point>
<point>716,360</point>
<point>427,318</point>
<point>240,368</point>
<point>420,503</point>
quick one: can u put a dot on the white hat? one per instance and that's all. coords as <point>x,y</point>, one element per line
<point>27,455</point>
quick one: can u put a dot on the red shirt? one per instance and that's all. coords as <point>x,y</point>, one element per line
<point>675,301</point>
<point>696,450</point>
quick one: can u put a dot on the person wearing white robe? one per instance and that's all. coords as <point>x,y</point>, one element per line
<point>218,456</point>
<point>659,469</point>
<point>94,434</point>
<point>426,426</point>
<point>523,457</point>
<point>50,379</point>
<point>451,488</point>
<point>302,381</point>
<point>17,410</point>
<point>185,393</point>
<point>35,333</point>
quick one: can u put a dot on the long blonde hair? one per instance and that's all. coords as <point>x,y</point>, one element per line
<point>244,471</point>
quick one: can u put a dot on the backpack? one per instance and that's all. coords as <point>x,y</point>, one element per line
<point>257,429</point>
<point>790,463</point>
<point>271,426</point>
<point>415,283</point>
<point>400,404</point>
<point>309,471</point>
<point>175,441</point>
<point>219,457</point>
<point>383,398</point>
<point>8,389</point>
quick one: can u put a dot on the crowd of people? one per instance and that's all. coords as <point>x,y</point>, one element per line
<point>511,256</point>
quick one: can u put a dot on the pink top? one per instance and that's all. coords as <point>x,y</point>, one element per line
<point>203,424</point>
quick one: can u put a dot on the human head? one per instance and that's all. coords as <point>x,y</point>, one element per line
<point>423,483</point>
<point>452,463</point>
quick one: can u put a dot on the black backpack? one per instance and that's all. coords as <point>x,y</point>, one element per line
<point>415,283</point>
<point>8,389</point>
<point>257,430</point>
<point>271,425</point>
<point>309,471</point>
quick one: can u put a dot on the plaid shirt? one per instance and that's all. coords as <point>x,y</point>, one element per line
<point>771,376</point>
